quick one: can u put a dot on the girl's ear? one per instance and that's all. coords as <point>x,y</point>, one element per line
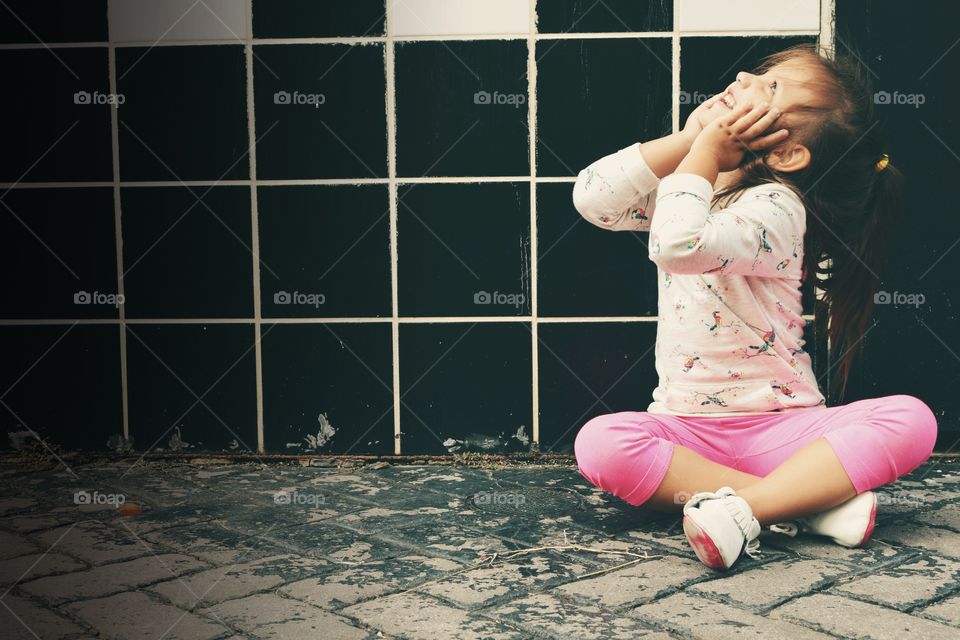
<point>788,157</point>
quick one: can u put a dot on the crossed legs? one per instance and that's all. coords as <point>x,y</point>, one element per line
<point>784,465</point>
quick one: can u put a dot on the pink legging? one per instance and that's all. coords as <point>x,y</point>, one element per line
<point>877,440</point>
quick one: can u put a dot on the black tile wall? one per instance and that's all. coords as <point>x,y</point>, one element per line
<point>30,21</point>
<point>320,111</point>
<point>586,110</point>
<point>458,387</point>
<point>324,251</point>
<point>464,249</point>
<point>328,388</point>
<point>592,369</point>
<point>57,126</point>
<point>577,16</point>
<point>462,108</point>
<point>323,226</point>
<point>61,382</point>
<point>583,270</point>
<point>187,252</point>
<point>58,256</point>
<point>192,387</point>
<point>184,115</point>
<point>709,64</point>
<point>313,19</point>
<point>912,347</point>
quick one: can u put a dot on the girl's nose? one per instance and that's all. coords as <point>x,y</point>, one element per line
<point>743,79</point>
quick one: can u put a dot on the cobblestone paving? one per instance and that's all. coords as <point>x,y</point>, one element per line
<point>126,549</point>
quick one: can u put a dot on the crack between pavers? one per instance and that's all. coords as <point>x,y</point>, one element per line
<point>814,626</point>
<point>63,603</point>
<point>42,604</point>
<point>828,583</point>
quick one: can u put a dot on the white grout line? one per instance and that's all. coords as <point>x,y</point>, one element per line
<point>532,125</point>
<point>118,240</point>
<point>254,224</point>
<point>606,35</point>
<point>391,102</point>
<point>284,183</point>
<point>675,68</point>
<point>828,38</point>
<point>336,320</point>
<point>827,27</point>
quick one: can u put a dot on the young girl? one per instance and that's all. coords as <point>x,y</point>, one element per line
<point>765,182</point>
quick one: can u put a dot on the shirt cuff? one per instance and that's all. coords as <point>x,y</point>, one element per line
<point>687,182</point>
<point>636,169</point>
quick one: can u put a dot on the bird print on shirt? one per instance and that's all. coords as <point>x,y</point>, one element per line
<point>689,360</point>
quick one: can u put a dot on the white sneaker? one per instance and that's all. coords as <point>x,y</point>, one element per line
<point>849,524</point>
<point>720,526</point>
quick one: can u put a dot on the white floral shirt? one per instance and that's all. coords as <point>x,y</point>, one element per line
<point>730,326</point>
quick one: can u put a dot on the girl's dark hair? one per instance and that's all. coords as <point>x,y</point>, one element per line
<point>850,206</point>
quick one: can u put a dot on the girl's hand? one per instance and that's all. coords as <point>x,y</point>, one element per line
<point>699,118</point>
<point>728,137</point>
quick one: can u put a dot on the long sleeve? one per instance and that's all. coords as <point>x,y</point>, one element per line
<point>761,234</point>
<point>617,192</point>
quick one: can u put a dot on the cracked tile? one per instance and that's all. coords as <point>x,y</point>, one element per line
<point>94,542</point>
<point>111,578</point>
<point>371,579</point>
<point>236,581</point>
<point>269,616</point>
<point>508,578</point>
<point>37,565</point>
<point>135,615</point>
<point>548,613</point>
<point>906,585</point>
<point>417,617</point>
<point>22,619</point>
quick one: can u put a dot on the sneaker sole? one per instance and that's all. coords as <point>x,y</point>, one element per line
<point>702,544</point>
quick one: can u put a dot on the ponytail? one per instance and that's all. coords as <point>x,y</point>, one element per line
<point>855,279</point>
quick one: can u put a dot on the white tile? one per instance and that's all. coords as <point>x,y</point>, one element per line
<point>178,20</point>
<point>749,15</point>
<point>457,17</point>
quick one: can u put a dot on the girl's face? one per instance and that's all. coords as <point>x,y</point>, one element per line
<point>785,85</point>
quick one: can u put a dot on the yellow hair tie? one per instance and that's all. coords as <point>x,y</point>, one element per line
<point>882,163</point>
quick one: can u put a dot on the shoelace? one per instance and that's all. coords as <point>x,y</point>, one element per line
<point>789,528</point>
<point>752,548</point>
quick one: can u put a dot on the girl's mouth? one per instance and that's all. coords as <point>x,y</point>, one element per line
<point>728,100</point>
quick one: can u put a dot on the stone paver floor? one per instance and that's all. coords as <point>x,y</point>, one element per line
<point>161,549</point>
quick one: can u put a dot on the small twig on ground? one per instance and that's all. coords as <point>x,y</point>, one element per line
<point>492,558</point>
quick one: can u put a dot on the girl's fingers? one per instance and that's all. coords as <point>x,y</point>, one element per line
<point>739,111</point>
<point>747,119</point>
<point>771,140</point>
<point>761,125</point>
